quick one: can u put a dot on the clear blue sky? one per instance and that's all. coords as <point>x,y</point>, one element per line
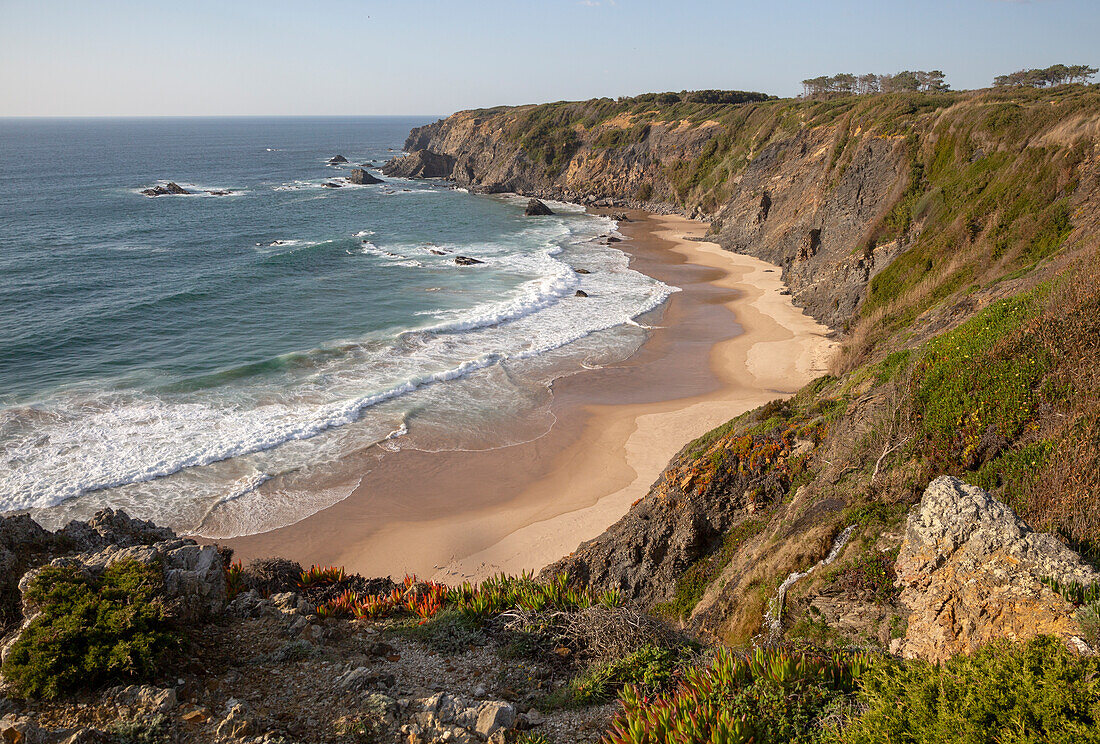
<point>234,57</point>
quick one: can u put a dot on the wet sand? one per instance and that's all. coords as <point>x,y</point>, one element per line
<point>726,343</point>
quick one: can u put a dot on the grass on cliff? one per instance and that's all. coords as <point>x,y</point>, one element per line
<point>91,631</point>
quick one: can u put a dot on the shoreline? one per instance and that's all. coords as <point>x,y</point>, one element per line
<point>461,514</point>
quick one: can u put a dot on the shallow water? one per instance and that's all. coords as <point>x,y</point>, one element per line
<point>172,355</point>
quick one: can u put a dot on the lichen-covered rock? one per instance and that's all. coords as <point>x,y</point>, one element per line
<point>194,575</point>
<point>494,716</point>
<point>110,527</point>
<point>970,572</point>
<point>146,698</point>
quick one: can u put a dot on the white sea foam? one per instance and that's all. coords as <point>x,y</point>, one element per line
<point>86,442</point>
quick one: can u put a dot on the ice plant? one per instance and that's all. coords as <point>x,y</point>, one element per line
<point>321,576</point>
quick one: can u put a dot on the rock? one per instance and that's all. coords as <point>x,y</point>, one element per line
<point>20,730</point>
<point>420,164</point>
<point>194,576</point>
<point>336,159</point>
<point>354,679</point>
<point>620,217</point>
<point>535,208</point>
<point>437,252</point>
<point>494,716</point>
<point>582,271</point>
<point>171,188</point>
<point>196,717</point>
<point>88,736</point>
<point>970,573</point>
<point>466,261</point>
<point>110,527</point>
<point>220,192</point>
<point>613,239</point>
<point>234,724</point>
<point>580,293</point>
<point>362,177</point>
<point>331,185</point>
<point>146,698</point>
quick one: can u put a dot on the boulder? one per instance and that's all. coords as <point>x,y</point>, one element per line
<point>971,571</point>
<point>331,185</point>
<point>535,208</point>
<point>361,177</point>
<point>21,730</point>
<point>337,159</point>
<point>580,293</point>
<point>466,261</point>
<point>146,698</point>
<point>494,716</point>
<point>582,271</point>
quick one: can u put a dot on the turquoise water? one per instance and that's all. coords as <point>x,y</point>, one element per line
<point>179,355</point>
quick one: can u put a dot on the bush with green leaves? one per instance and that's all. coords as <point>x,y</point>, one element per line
<point>91,630</point>
<point>1018,693</point>
<point>650,668</point>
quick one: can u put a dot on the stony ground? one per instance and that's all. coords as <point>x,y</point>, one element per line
<point>271,671</point>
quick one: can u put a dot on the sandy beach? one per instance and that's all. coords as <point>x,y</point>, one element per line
<point>728,342</point>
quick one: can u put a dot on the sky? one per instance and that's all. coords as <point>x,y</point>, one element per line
<point>433,57</point>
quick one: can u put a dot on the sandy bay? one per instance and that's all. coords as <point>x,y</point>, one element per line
<point>730,341</point>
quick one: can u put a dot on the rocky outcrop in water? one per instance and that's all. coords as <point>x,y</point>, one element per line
<point>362,177</point>
<point>466,261</point>
<point>170,188</point>
<point>536,208</point>
<point>971,572</point>
<point>337,159</point>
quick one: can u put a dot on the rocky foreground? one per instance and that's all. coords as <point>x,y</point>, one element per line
<point>261,656</point>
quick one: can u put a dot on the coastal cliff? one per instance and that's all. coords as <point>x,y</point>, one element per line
<point>791,573</point>
<point>832,191</point>
<point>951,239</point>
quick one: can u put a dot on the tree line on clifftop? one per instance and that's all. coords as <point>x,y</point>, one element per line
<point>934,81</point>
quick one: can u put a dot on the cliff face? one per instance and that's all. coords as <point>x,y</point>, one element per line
<point>772,182</point>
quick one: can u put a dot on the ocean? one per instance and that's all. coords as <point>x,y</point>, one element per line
<point>206,361</point>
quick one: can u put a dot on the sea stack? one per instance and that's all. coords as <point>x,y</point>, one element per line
<point>361,177</point>
<point>535,208</point>
<point>337,159</point>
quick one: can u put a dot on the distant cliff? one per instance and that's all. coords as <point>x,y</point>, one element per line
<point>826,189</point>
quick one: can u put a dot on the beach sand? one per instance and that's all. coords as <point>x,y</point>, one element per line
<point>730,341</point>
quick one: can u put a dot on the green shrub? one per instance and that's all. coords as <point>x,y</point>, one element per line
<point>1034,692</point>
<point>91,631</point>
<point>650,668</point>
<point>150,730</point>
